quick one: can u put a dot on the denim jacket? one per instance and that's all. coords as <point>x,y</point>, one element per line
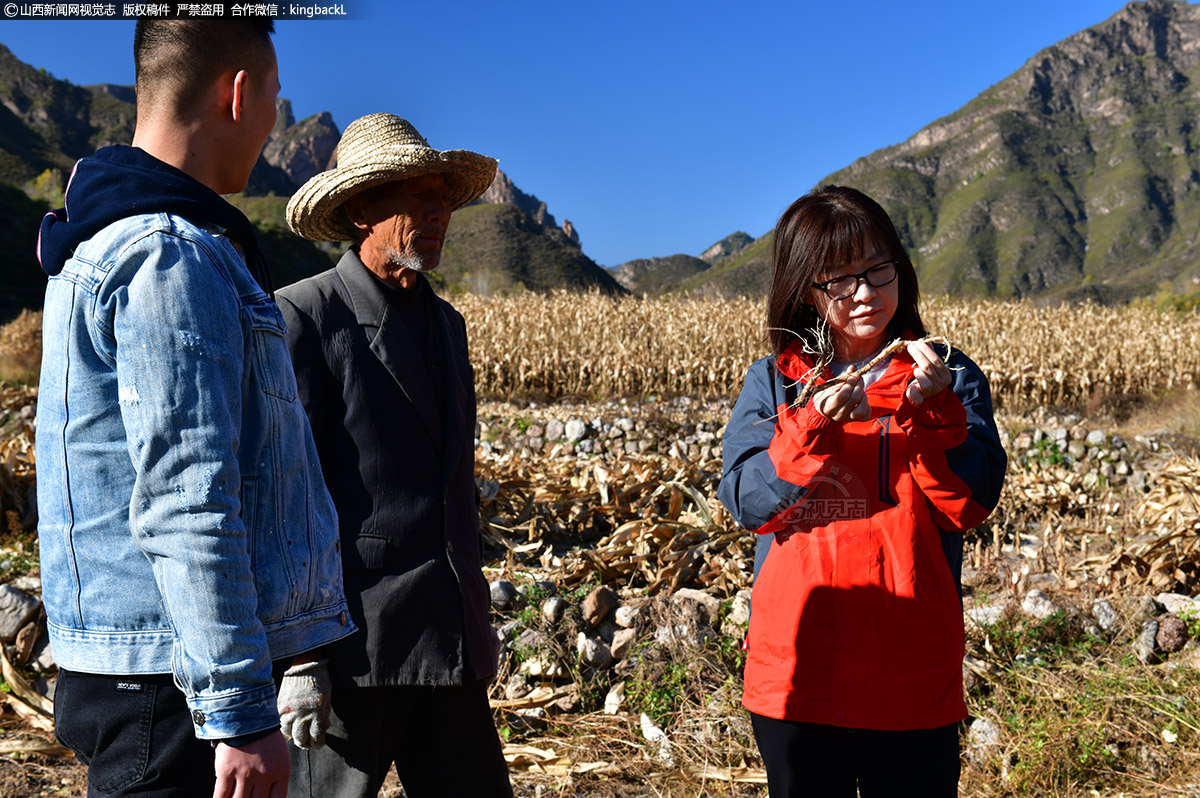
<point>184,524</point>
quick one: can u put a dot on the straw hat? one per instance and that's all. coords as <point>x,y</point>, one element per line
<point>375,149</point>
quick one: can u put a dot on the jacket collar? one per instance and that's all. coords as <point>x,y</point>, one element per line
<point>391,342</point>
<point>120,181</point>
<point>366,294</point>
<point>795,364</point>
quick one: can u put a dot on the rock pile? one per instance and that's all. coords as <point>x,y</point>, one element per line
<point>1099,458</point>
<point>681,428</point>
<point>25,650</point>
<point>551,640</point>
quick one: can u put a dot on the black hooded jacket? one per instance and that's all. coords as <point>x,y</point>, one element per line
<point>118,182</point>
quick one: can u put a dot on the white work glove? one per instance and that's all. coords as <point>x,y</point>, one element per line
<point>304,703</point>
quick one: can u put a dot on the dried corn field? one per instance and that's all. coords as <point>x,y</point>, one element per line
<point>549,346</point>
<point>592,345</point>
<point>1161,547</point>
<point>1062,355</point>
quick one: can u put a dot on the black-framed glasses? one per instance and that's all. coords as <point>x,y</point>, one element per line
<point>846,286</point>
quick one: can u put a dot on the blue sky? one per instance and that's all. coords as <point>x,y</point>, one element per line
<point>655,127</point>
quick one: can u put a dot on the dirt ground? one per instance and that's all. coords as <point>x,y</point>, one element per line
<point>630,774</point>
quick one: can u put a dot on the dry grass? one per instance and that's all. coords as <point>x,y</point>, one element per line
<point>1036,356</point>
<point>563,344</point>
<point>1078,714</point>
<point>592,345</point>
<point>21,348</point>
<point>558,345</point>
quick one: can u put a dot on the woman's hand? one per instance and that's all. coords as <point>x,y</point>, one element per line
<point>931,375</point>
<point>846,402</point>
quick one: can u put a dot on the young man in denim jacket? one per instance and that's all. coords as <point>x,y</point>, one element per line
<point>187,538</point>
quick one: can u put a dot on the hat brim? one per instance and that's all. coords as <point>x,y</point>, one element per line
<point>312,210</point>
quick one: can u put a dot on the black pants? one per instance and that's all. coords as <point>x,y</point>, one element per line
<point>442,741</point>
<point>817,761</point>
<point>135,734</point>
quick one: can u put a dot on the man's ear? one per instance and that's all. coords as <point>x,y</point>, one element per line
<point>238,94</point>
<point>356,213</point>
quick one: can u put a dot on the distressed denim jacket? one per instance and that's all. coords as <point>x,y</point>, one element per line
<point>184,522</point>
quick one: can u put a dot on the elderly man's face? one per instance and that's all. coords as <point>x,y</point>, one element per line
<point>404,224</point>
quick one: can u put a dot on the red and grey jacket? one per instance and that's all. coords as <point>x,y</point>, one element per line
<point>856,619</point>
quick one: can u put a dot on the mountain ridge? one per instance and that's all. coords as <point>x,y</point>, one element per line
<point>46,124</point>
<point>1075,177</point>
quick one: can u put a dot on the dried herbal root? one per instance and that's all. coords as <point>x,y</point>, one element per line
<point>811,388</point>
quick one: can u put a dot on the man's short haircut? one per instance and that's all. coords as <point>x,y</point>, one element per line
<point>176,60</point>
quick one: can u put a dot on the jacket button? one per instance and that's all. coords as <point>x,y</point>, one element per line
<point>198,717</point>
<point>342,618</point>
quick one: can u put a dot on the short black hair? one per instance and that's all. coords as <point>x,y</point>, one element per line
<point>176,60</point>
<point>822,230</point>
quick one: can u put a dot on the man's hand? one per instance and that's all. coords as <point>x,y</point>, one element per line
<point>931,376</point>
<point>846,402</point>
<point>256,770</point>
<point>304,703</point>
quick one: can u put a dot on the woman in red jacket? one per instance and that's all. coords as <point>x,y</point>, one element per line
<point>860,498</point>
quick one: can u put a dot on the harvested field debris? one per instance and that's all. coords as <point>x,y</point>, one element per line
<point>620,585</point>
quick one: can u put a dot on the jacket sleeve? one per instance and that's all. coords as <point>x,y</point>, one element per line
<point>178,345</point>
<point>954,449</point>
<point>772,454</point>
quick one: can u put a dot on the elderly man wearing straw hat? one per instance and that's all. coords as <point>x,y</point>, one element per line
<point>381,364</point>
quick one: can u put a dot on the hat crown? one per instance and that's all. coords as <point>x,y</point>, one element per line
<point>367,137</point>
<point>376,149</point>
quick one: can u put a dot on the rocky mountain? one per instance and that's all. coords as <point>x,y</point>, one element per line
<point>47,124</point>
<point>655,275</point>
<point>735,265</point>
<point>493,247</point>
<point>301,150</point>
<point>1078,176</point>
<point>745,273</point>
<point>502,190</point>
<point>726,247</point>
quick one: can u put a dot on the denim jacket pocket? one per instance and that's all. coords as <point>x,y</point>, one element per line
<point>272,362</point>
<point>274,581</point>
<point>249,497</point>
